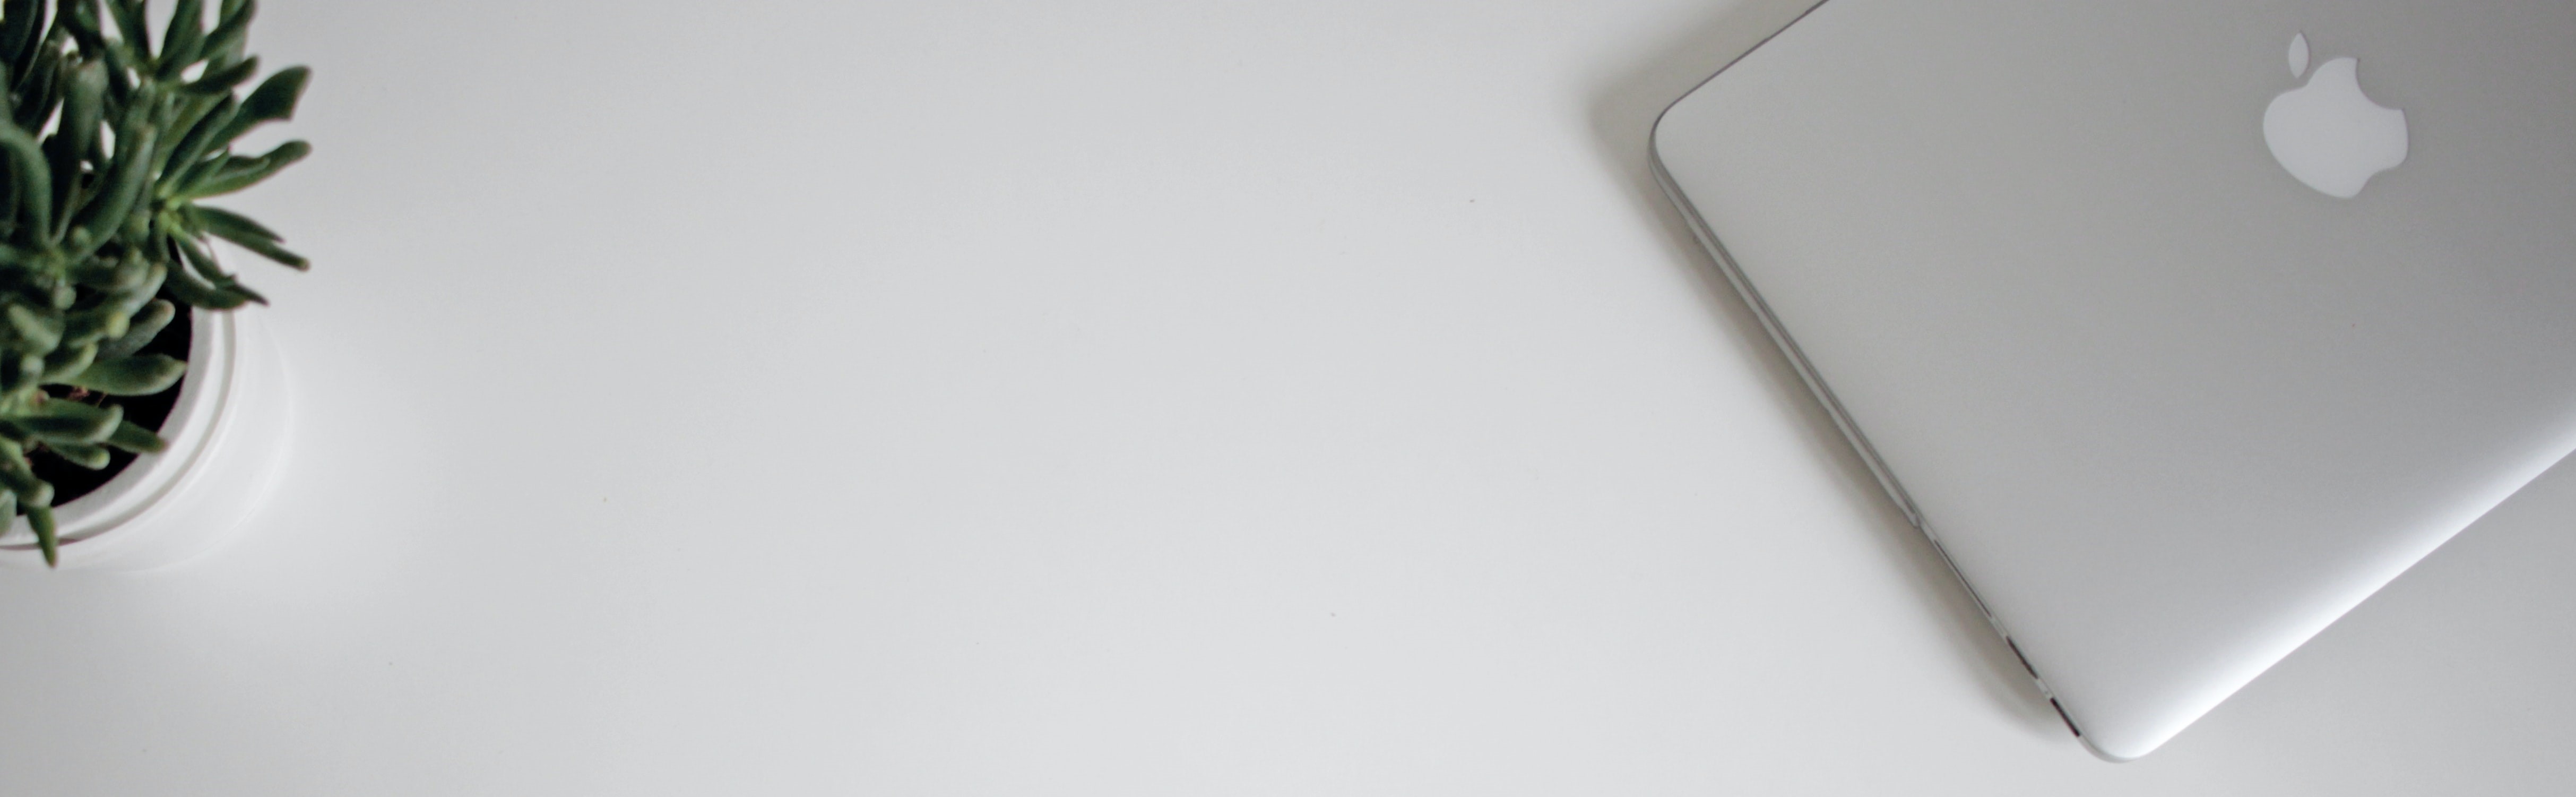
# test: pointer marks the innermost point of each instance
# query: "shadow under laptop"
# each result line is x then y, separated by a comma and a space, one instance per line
1623, 109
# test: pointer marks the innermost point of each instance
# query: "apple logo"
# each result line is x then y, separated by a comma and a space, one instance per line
2327, 133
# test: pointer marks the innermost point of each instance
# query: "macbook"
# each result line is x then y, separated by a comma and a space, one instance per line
2179, 327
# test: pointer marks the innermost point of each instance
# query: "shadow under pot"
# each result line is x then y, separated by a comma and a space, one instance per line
226, 423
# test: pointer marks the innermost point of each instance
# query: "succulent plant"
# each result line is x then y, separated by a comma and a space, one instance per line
108, 145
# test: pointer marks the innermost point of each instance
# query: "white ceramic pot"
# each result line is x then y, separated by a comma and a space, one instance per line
228, 437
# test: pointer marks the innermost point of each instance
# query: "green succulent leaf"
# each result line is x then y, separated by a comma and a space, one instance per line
131, 376
235, 173
37, 93
79, 20
136, 439
130, 25
187, 108
21, 479
40, 517
233, 31
132, 299
82, 454
68, 362
223, 81
182, 41
105, 275
124, 185
38, 332
248, 236
84, 94
197, 292
273, 101
122, 62
231, 226
200, 138
21, 33
30, 175
266, 247
140, 329
31, 367
84, 327
70, 422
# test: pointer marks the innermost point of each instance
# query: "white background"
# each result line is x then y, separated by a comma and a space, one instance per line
1118, 398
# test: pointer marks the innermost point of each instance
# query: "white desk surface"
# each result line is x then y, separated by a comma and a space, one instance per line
1119, 398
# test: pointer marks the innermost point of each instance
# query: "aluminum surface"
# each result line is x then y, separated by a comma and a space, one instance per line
2169, 411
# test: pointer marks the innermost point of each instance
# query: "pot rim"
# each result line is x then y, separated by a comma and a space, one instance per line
205, 400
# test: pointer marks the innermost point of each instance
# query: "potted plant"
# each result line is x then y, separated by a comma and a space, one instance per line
140, 415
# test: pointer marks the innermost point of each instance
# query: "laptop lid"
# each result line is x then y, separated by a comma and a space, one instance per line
2180, 327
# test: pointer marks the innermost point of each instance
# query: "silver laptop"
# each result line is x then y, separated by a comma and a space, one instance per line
2180, 327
